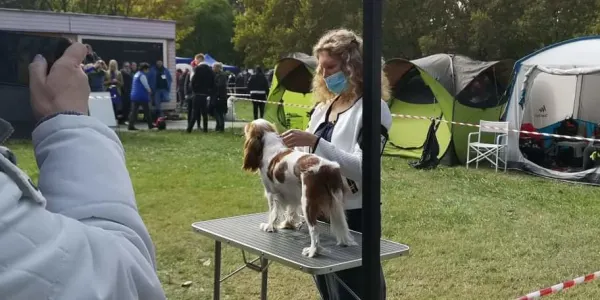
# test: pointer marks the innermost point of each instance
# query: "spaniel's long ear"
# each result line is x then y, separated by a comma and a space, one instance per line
253, 150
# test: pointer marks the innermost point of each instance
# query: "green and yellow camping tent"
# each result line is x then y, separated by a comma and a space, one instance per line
450, 87
291, 85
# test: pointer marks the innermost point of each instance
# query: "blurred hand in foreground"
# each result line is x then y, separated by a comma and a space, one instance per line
65, 88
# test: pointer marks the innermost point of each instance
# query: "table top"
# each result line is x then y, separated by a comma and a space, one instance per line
285, 246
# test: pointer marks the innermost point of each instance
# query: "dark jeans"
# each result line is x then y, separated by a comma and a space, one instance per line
125, 107
135, 106
329, 287
196, 111
220, 119
115, 107
258, 106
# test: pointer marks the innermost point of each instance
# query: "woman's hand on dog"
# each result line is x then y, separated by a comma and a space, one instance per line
298, 138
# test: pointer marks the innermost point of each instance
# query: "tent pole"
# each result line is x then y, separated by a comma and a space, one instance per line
371, 193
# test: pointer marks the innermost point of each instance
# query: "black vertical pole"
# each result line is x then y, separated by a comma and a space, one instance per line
371, 165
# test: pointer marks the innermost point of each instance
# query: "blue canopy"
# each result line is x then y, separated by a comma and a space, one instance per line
209, 60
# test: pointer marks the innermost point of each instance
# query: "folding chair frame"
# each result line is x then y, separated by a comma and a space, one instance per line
485, 150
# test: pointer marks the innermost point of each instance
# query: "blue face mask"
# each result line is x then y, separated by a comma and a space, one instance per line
337, 82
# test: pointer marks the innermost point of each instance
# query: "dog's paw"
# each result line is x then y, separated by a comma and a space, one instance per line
286, 225
346, 242
267, 227
298, 225
309, 251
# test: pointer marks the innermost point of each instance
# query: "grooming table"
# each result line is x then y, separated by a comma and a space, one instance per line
284, 247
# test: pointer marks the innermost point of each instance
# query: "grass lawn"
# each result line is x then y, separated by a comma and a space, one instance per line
474, 234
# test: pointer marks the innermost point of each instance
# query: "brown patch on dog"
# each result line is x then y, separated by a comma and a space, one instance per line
280, 172
319, 188
304, 163
253, 146
276, 169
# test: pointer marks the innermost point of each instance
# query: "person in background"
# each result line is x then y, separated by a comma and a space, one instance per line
91, 57
181, 87
140, 96
188, 95
240, 83
178, 74
134, 67
335, 133
203, 86
96, 75
160, 82
78, 233
113, 82
188, 91
126, 92
103, 65
220, 99
258, 85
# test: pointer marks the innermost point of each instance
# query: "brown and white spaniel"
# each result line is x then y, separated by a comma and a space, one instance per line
294, 181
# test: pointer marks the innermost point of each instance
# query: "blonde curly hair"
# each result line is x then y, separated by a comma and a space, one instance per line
348, 46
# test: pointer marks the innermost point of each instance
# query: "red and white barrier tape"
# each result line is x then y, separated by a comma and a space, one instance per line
561, 286
577, 138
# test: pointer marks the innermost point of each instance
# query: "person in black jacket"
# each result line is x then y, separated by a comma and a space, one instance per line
219, 102
203, 86
188, 95
126, 91
258, 85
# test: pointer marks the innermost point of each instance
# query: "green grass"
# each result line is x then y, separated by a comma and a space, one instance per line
474, 234
243, 110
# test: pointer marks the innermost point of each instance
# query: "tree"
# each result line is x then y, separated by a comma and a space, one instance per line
269, 29
210, 30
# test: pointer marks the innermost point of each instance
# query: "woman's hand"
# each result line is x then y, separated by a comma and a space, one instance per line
65, 88
298, 138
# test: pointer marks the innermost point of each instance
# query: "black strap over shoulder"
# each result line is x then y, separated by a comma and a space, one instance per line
384, 138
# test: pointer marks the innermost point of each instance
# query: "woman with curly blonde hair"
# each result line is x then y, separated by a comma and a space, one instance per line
335, 133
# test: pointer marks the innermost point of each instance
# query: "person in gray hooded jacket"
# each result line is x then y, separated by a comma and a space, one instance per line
78, 235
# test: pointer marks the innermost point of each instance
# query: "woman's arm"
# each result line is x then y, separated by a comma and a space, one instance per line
351, 162
144, 82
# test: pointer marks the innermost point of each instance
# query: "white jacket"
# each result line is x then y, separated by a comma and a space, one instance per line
344, 146
79, 235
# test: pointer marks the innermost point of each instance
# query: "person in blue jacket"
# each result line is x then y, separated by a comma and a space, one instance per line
77, 234
141, 92
160, 82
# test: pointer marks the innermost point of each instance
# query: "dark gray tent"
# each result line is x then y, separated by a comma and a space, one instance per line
451, 87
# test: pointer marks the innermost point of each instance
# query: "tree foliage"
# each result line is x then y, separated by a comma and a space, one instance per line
210, 25
261, 31
482, 29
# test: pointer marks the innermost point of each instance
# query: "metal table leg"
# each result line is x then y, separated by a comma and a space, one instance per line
264, 265
344, 285
217, 283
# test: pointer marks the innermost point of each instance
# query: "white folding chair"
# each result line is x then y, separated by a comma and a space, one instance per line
490, 152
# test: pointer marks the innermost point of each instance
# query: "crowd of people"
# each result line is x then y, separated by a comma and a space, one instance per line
131, 87
204, 90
